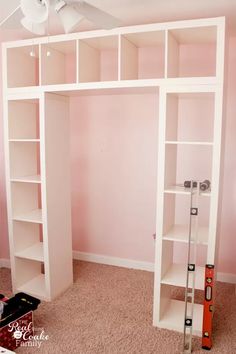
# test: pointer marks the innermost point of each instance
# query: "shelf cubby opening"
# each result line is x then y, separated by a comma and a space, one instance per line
190, 118
25, 160
98, 59
172, 309
143, 55
23, 66
26, 201
23, 120
58, 63
191, 52
30, 277
176, 218
174, 264
28, 240
186, 163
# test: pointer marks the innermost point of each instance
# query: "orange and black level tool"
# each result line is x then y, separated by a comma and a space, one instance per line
208, 307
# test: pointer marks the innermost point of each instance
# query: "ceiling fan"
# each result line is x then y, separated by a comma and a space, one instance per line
36, 15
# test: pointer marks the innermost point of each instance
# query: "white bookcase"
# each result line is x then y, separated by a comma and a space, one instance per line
37, 169
168, 59
184, 137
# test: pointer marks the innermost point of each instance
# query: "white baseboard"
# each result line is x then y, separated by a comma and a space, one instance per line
5, 263
226, 277
125, 263
114, 261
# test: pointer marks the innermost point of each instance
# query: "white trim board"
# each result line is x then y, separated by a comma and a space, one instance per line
123, 262
5, 263
226, 277
113, 261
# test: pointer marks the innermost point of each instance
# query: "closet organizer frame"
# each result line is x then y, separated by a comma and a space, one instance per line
114, 58
119, 61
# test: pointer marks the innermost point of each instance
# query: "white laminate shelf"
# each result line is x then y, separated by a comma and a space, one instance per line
180, 233
184, 191
34, 252
34, 216
35, 287
176, 275
173, 317
24, 140
179, 142
27, 179
142, 85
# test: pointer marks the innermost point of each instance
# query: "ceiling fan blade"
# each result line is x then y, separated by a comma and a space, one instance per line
95, 15
15, 13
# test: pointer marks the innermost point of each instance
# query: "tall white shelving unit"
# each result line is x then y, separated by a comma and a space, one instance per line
167, 59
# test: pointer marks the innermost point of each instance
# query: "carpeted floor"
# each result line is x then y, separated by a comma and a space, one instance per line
108, 310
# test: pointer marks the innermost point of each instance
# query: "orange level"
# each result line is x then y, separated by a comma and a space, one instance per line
208, 307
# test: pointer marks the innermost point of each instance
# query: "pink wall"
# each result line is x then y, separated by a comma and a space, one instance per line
113, 159
114, 164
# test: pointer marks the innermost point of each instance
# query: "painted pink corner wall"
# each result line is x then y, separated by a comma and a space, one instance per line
115, 215
114, 164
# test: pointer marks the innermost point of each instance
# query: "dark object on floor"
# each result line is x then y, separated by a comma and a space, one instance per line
18, 306
16, 323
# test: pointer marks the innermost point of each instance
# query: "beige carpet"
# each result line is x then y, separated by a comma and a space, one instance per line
109, 310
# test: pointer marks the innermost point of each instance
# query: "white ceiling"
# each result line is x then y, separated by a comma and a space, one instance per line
132, 12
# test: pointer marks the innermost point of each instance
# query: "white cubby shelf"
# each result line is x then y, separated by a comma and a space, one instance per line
27, 179
190, 118
173, 317
179, 189
182, 63
180, 232
34, 252
157, 51
177, 273
35, 286
34, 216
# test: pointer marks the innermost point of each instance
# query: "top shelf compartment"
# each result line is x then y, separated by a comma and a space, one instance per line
23, 66
58, 63
98, 59
191, 52
143, 55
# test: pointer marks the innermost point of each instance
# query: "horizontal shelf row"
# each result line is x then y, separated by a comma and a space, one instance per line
204, 143
27, 179
177, 273
24, 140
33, 216
185, 191
34, 252
143, 55
167, 142
173, 317
179, 233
